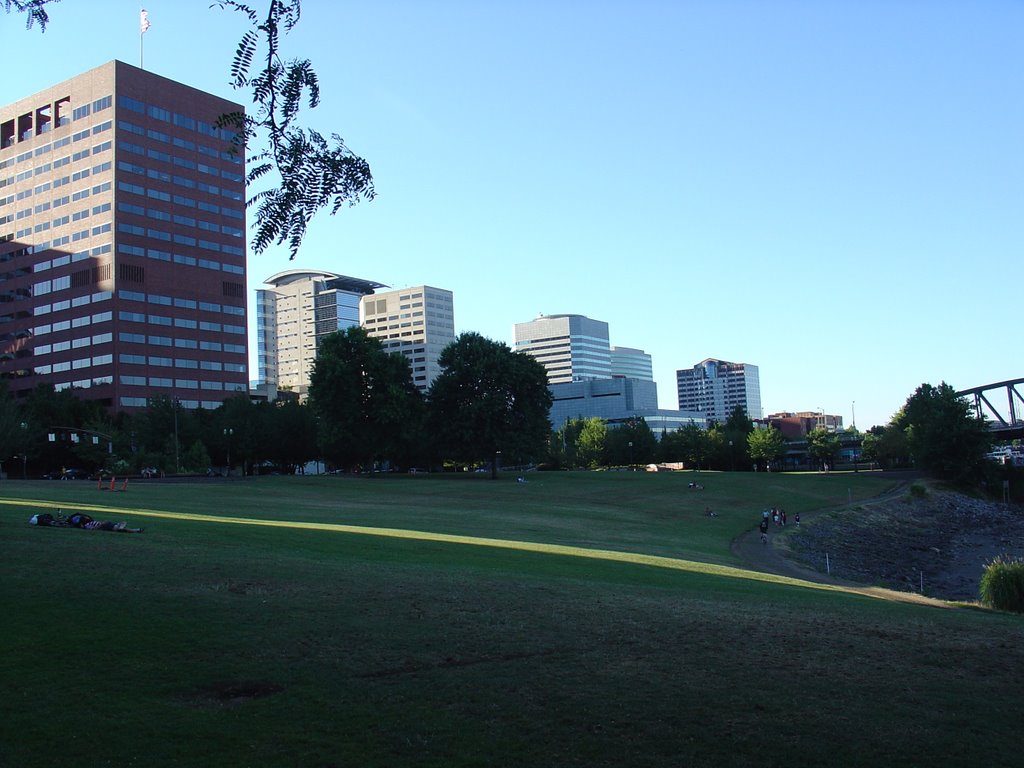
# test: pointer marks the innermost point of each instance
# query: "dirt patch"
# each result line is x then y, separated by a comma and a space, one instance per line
452, 662
232, 693
937, 543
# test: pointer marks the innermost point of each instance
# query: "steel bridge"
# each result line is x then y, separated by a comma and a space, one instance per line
1006, 421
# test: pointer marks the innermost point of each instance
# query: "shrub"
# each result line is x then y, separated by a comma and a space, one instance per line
1002, 584
918, 491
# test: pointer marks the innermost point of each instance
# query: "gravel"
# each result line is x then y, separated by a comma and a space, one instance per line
940, 541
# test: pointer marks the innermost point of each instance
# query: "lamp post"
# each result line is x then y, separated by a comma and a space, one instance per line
24, 452
228, 432
732, 456
177, 445
631, 454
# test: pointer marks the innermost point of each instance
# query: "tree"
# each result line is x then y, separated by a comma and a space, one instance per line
766, 446
565, 444
632, 442
590, 445
13, 438
487, 400
312, 173
822, 445
688, 444
943, 435
196, 458
48, 412
292, 434
727, 443
34, 10
363, 398
885, 444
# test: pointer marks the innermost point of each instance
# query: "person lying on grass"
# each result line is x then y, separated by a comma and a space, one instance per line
80, 520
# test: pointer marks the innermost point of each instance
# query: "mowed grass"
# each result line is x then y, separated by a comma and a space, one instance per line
203, 643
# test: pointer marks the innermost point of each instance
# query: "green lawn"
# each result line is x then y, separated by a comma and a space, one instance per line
202, 643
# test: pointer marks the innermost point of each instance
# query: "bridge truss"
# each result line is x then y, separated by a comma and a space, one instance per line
1006, 420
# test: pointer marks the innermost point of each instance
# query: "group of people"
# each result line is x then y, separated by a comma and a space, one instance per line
776, 516
80, 520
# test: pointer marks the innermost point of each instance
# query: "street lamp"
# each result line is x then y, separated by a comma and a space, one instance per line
732, 456
24, 454
228, 432
631, 454
177, 445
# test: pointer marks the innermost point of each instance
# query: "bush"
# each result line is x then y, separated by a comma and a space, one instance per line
918, 491
1002, 584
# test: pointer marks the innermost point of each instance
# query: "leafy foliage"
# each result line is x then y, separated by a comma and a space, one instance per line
822, 445
591, 442
943, 435
631, 443
1002, 584
489, 399
34, 11
313, 173
885, 444
766, 445
363, 397
689, 444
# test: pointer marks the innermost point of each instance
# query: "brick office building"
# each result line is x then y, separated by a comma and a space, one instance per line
122, 242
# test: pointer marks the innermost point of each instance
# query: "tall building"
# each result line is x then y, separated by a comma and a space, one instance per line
630, 363
570, 347
716, 387
418, 322
122, 242
294, 313
615, 401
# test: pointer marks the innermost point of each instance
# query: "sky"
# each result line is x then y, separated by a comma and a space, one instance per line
831, 191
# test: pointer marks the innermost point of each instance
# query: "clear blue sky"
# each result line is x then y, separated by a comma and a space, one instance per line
832, 191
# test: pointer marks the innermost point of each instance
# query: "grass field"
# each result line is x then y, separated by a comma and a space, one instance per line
203, 642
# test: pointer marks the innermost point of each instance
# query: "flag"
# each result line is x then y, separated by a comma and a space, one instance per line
143, 21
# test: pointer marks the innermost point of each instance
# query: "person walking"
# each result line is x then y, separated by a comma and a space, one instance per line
764, 531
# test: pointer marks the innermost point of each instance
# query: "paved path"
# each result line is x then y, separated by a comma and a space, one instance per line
770, 558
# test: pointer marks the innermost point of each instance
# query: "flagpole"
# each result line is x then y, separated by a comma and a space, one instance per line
143, 26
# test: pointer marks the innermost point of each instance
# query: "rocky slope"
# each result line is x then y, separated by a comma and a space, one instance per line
941, 540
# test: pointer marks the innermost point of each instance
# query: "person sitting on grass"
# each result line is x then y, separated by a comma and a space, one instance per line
80, 520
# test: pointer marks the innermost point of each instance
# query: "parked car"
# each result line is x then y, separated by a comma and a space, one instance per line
67, 474
150, 472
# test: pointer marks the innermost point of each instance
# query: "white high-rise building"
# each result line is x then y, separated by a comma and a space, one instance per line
570, 347
418, 322
716, 387
298, 309
629, 363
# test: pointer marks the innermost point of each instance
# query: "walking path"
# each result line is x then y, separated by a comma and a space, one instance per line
771, 558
